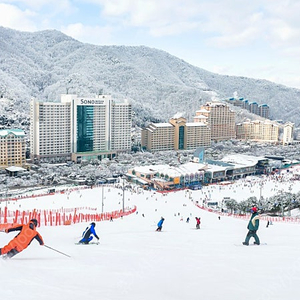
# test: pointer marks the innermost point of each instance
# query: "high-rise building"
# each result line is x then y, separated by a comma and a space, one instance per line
12, 148
80, 127
264, 111
50, 129
219, 118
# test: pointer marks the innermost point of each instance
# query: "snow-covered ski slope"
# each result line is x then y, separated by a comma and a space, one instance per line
133, 262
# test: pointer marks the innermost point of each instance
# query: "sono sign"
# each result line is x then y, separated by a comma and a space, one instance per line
90, 102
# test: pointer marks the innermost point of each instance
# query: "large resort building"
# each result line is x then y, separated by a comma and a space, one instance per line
80, 128
214, 121
175, 135
219, 118
266, 131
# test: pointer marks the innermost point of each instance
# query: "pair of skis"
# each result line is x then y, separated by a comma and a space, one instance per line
92, 243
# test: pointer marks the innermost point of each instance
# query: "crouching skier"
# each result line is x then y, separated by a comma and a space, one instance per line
87, 234
160, 224
22, 240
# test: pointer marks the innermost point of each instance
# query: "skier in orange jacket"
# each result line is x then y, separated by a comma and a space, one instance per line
23, 239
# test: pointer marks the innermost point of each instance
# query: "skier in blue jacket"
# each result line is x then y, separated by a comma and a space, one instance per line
87, 234
159, 224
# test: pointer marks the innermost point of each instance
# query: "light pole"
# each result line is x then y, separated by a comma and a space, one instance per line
282, 209
102, 198
260, 191
123, 181
6, 196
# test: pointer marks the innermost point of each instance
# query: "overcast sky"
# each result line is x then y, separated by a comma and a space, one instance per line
257, 38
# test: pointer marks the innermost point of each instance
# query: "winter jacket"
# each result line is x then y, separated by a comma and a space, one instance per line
160, 223
253, 222
25, 236
88, 231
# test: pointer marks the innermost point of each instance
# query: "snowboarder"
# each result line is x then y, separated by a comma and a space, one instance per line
159, 224
22, 240
87, 234
198, 222
252, 227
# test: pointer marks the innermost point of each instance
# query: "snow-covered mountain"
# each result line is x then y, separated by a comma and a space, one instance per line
48, 63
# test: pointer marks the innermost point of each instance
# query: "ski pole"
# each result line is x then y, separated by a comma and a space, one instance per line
57, 251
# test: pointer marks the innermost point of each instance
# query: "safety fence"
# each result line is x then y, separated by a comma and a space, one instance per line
60, 216
247, 216
42, 193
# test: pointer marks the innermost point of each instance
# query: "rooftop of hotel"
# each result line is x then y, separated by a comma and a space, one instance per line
16, 132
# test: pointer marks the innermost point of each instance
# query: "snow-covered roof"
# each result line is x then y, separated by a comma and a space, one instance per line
188, 168
216, 168
16, 132
201, 117
163, 125
15, 169
242, 160
202, 110
195, 124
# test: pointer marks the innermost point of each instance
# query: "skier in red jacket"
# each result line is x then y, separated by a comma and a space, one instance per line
23, 239
198, 222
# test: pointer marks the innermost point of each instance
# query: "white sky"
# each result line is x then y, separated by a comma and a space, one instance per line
258, 38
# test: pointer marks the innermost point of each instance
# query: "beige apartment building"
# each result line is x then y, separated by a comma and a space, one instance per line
12, 148
158, 137
266, 131
219, 118
288, 132
175, 135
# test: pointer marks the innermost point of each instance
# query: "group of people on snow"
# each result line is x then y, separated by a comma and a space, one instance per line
28, 232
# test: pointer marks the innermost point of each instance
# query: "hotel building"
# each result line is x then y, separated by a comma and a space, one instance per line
266, 131
219, 118
80, 128
175, 135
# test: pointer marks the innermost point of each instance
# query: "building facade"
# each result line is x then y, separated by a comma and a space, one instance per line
265, 131
175, 135
50, 129
158, 137
12, 148
219, 118
262, 110
288, 132
80, 127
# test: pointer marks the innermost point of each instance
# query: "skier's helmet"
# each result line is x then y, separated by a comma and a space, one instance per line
254, 209
93, 224
34, 221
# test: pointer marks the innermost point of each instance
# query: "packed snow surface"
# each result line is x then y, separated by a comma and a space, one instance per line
134, 262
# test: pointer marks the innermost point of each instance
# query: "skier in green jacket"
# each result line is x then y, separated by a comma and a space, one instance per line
252, 227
